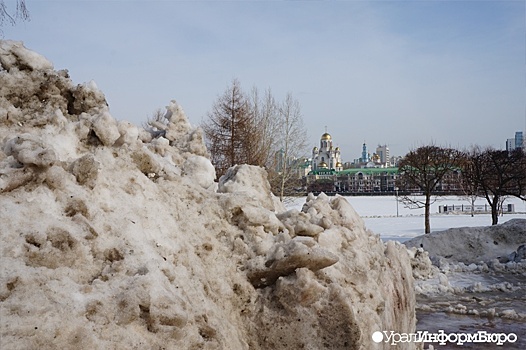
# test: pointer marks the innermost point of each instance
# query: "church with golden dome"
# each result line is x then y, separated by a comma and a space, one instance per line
326, 157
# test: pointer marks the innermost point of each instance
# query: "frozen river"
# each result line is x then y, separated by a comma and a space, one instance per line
491, 302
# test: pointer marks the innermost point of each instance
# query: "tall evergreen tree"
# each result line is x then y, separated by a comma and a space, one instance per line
231, 131
256, 130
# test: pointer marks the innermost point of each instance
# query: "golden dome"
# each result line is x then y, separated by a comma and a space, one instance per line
338, 164
323, 165
326, 136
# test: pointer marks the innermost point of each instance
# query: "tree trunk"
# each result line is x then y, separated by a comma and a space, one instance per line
282, 186
495, 211
426, 214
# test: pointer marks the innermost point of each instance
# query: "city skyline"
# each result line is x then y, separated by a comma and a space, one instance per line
373, 148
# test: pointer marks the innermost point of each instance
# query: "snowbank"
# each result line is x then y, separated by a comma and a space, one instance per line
115, 237
475, 271
475, 244
472, 250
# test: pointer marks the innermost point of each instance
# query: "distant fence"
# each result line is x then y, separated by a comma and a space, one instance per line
481, 208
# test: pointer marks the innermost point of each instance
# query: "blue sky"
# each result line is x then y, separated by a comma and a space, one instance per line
401, 73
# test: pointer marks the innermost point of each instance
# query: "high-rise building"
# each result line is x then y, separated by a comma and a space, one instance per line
383, 153
517, 142
519, 139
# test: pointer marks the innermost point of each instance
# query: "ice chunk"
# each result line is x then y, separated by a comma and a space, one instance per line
106, 129
30, 150
201, 170
286, 258
250, 180
128, 133
13, 54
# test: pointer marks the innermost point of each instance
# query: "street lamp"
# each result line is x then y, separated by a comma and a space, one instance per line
396, 194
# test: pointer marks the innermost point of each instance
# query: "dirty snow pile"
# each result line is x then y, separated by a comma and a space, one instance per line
479, 271
118, 237
475, 244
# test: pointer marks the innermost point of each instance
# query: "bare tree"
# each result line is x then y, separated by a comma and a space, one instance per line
498, 174
292, 143
423, 170
21, 13
266, 117
256, 130
469, 185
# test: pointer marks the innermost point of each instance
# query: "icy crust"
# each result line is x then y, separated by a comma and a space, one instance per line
115, 237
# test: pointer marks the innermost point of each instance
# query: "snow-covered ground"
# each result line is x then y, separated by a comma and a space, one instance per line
380, 215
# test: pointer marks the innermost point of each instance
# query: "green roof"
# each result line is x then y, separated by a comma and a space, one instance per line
354, 171
368, 171
323, 172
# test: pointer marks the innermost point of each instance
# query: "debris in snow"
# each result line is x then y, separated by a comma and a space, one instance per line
517, 256
284, 259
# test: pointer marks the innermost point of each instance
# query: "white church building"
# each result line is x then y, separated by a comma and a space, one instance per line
326, 157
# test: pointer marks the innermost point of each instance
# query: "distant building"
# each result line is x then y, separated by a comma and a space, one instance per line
383, 155
298, 166
326, 157
510, 145
367, 180
302, 166
380, 159
519, 139
366, 158
516, 142
395, 160
369, 174
374, 181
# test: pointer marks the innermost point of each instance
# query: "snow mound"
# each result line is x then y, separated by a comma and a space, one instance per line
422, 266
115, 237
475, 244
